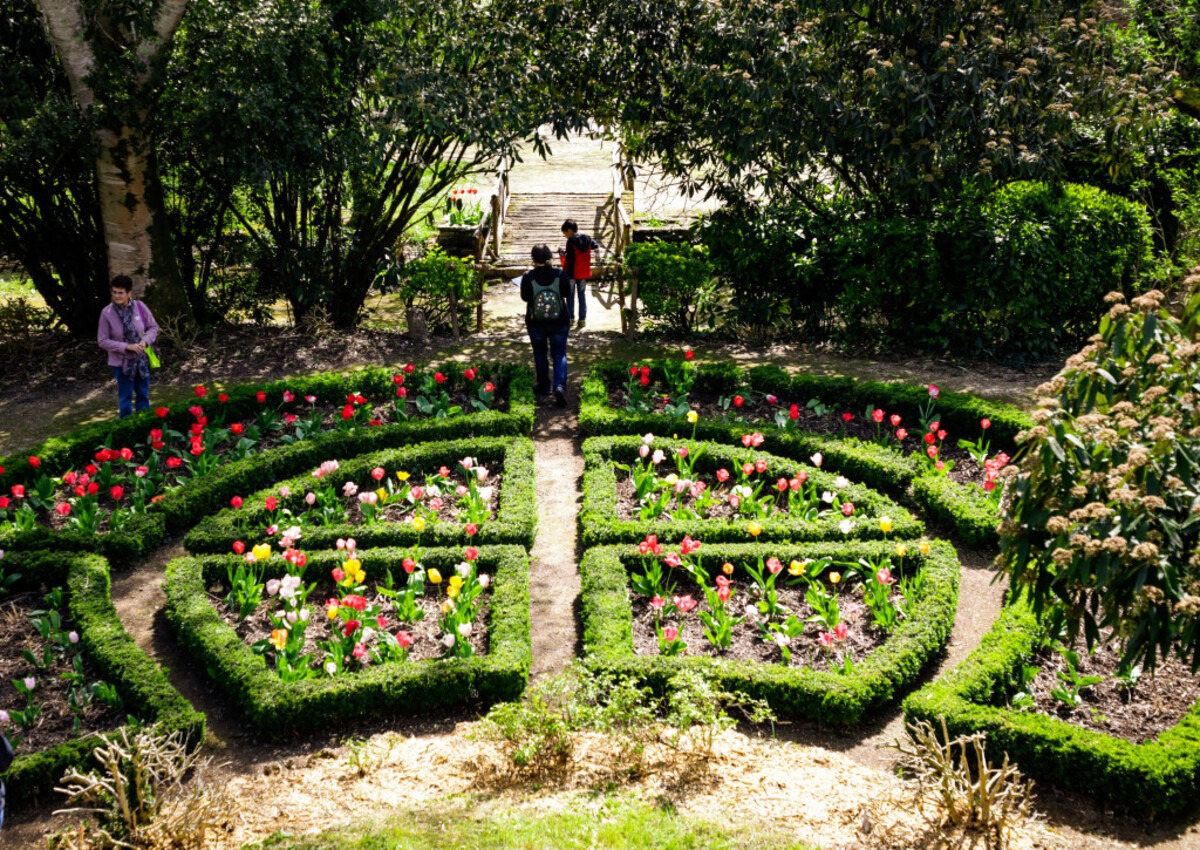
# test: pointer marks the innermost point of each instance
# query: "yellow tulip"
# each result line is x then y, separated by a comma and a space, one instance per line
447, 607
885, 524
382, 494
418, 524
331, 612
796, 568
923, 546
754, 528
693, 417
261, 552
901, 549
671, 479
279, 638
452, 591
727, 568
434, 576
456, 580
403, 476
834, 578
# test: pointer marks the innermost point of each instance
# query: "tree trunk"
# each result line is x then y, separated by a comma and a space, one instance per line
135, 227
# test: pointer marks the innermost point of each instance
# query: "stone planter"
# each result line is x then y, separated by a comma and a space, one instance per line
669, 233
457, 240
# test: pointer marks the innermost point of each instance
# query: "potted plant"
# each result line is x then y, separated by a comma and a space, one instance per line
463, 212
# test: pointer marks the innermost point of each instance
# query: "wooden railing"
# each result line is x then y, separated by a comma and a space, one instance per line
622, 232
490, 232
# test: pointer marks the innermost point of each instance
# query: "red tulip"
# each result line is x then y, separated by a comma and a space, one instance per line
239, 547
201, 391
63, 508
236, 501
117, 493
35, 461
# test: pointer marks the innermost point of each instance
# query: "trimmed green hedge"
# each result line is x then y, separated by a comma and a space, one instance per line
515, 520
601, 525
880, 467
78, 447
278, 710
967, 508
1162, 775
795, 692
141, 534
143, 685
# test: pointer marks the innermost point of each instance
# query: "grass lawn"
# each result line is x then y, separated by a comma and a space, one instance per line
620, 823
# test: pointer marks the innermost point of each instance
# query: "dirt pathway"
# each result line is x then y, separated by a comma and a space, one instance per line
553, 571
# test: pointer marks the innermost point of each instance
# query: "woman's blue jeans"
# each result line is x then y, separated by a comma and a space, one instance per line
127, 389
556, 339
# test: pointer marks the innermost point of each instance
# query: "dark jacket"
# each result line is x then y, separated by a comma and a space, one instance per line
544, 275
578, 242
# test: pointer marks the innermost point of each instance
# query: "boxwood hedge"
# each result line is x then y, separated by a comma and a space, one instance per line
1162, 775
600, 523
278, 710
142, 684
795, 692
515, 520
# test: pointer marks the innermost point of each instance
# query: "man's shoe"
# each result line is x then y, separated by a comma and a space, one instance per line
560, 396
581, 324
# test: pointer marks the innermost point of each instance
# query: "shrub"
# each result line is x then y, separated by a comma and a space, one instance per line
675, 284
765, 258
434, 283
1100, 531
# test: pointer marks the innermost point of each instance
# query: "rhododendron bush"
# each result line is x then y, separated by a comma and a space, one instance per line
1102, 523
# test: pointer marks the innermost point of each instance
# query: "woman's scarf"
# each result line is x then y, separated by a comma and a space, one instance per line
137, 366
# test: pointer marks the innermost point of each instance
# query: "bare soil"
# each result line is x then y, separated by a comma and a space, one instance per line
747, 638
1154, 704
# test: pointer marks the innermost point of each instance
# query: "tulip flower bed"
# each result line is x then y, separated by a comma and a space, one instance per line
417, 493
805, 658
785, 410
982, 695
77, 673
69, 491
329, 658
634, 486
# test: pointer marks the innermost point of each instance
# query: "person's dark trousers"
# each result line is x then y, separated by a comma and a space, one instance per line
127, 389
576, 295
556, 339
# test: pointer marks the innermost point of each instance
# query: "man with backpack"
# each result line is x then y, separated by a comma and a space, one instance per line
577, 263
545, 291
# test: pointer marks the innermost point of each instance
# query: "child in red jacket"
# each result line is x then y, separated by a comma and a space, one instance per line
577, 263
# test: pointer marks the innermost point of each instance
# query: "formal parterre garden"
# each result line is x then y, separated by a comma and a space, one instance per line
358, 547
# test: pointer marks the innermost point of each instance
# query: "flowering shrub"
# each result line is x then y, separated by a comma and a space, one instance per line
1100, 531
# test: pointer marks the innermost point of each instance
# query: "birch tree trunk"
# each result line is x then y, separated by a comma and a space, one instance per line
135, 227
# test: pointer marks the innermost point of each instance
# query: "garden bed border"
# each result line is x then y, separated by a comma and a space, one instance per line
600, 524
516, 516
1162, 775
792, 692
278, 710
972, 512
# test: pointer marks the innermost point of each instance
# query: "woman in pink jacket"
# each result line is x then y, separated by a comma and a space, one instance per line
127, 327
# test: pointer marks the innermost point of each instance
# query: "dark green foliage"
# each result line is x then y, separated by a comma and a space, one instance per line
142, 533
600, 524
1021, 272
675, 284
1160, 776
795, 692
515, 520
277, 710
143, 685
